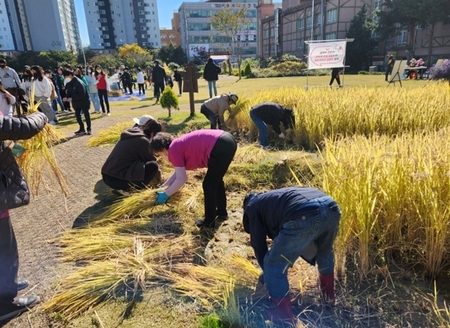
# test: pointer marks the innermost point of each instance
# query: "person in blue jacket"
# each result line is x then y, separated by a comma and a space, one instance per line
272, 114
302, 222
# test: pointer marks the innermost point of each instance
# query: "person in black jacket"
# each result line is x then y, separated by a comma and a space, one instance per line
132, 163
271, 113
302, 222
14, 193
211, 74
159, 80
77, 93
179, 79
126, 80
335, 76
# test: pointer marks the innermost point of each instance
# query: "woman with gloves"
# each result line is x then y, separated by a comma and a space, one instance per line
213, 149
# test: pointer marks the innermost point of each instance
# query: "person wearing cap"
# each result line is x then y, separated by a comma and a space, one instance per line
214, 108
132, 163
302, 222
139, 122
273, 114
212, 149
159, 80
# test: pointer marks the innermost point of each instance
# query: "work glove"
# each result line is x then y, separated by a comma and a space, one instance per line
162, 198
281, 135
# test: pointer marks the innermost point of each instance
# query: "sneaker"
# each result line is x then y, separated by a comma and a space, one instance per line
21, 305
80, 133
109, 114
88, 132
103, 114
22, 284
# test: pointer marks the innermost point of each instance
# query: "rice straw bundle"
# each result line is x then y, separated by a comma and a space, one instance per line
109, 136
38, 162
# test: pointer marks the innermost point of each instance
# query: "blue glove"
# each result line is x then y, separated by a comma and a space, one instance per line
162, 198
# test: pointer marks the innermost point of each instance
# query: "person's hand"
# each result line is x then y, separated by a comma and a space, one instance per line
281, 135
162, 198
65, 99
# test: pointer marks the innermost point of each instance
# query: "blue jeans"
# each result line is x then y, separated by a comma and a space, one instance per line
262, 127
211, 86
318, 221
95, 101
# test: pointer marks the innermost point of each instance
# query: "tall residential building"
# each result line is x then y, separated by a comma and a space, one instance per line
38, 25
113, 23
198, 34
171, 35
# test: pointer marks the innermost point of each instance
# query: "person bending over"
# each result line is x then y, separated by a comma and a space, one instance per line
301, 221
213, 149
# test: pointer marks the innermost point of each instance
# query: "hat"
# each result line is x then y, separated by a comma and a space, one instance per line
233, 98
143, 119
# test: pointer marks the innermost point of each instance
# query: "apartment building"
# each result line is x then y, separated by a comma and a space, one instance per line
38, 25
171, 35
113, 23
286, 31
198, 34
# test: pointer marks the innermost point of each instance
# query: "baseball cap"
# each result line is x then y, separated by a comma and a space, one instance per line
143, 119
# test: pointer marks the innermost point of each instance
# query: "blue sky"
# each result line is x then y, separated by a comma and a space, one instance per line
166, 8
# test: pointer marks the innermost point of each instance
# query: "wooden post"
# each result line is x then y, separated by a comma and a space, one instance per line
190, 73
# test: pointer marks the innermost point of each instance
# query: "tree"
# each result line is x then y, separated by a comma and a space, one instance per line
133, 55
54, 58
105, 61
434, 11
172, 54
232, 22
359, 51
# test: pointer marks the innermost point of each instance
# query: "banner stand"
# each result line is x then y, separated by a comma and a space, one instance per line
326, 54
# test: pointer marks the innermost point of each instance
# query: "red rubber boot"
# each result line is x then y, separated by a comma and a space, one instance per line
282, 313
327, 287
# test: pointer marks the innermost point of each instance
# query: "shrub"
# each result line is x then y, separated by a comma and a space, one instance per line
441, 71
169, 100
247, 70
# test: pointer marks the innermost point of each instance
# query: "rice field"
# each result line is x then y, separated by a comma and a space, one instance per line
382, 153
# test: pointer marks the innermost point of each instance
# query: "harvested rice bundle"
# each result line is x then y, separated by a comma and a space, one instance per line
38, 162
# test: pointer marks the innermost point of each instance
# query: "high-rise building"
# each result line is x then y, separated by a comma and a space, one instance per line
172, 35
38, 25
113, 23
198, 34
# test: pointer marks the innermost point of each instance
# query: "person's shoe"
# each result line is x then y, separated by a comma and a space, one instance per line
109, 114
120, 193
22, 284
282, 313
88, 132
222, 216
22, 304
103, 114
202, 224
80, 133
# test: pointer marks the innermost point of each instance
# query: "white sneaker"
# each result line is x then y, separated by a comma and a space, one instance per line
109, 114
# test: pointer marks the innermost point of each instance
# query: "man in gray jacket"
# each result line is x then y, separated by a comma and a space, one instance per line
214, 108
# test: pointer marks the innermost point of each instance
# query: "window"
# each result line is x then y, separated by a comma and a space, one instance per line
402, 37
301, 24
377, 4
300, 44
308, 22
317, 19
330, 36
332, 16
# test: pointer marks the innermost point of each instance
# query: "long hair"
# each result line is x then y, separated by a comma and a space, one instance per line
39, 72
151, 127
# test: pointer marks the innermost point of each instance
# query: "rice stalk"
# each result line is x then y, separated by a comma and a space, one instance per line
110, 135
38, 161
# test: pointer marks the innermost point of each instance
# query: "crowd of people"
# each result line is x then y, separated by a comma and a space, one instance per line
301, 221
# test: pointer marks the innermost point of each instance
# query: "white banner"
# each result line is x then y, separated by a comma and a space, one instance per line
195, 49
326, 54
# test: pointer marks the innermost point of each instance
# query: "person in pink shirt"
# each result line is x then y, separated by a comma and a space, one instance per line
213, 149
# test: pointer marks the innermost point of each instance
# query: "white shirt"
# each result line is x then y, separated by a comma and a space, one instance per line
7, 110
42, 88
140, 78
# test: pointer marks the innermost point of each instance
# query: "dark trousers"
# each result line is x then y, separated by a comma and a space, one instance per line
87, 117
388, 72
141, 88
213, 186
151, 169
210, 116
103, 96
335, 77
9, 262
180, 86
129, 86
158, 89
